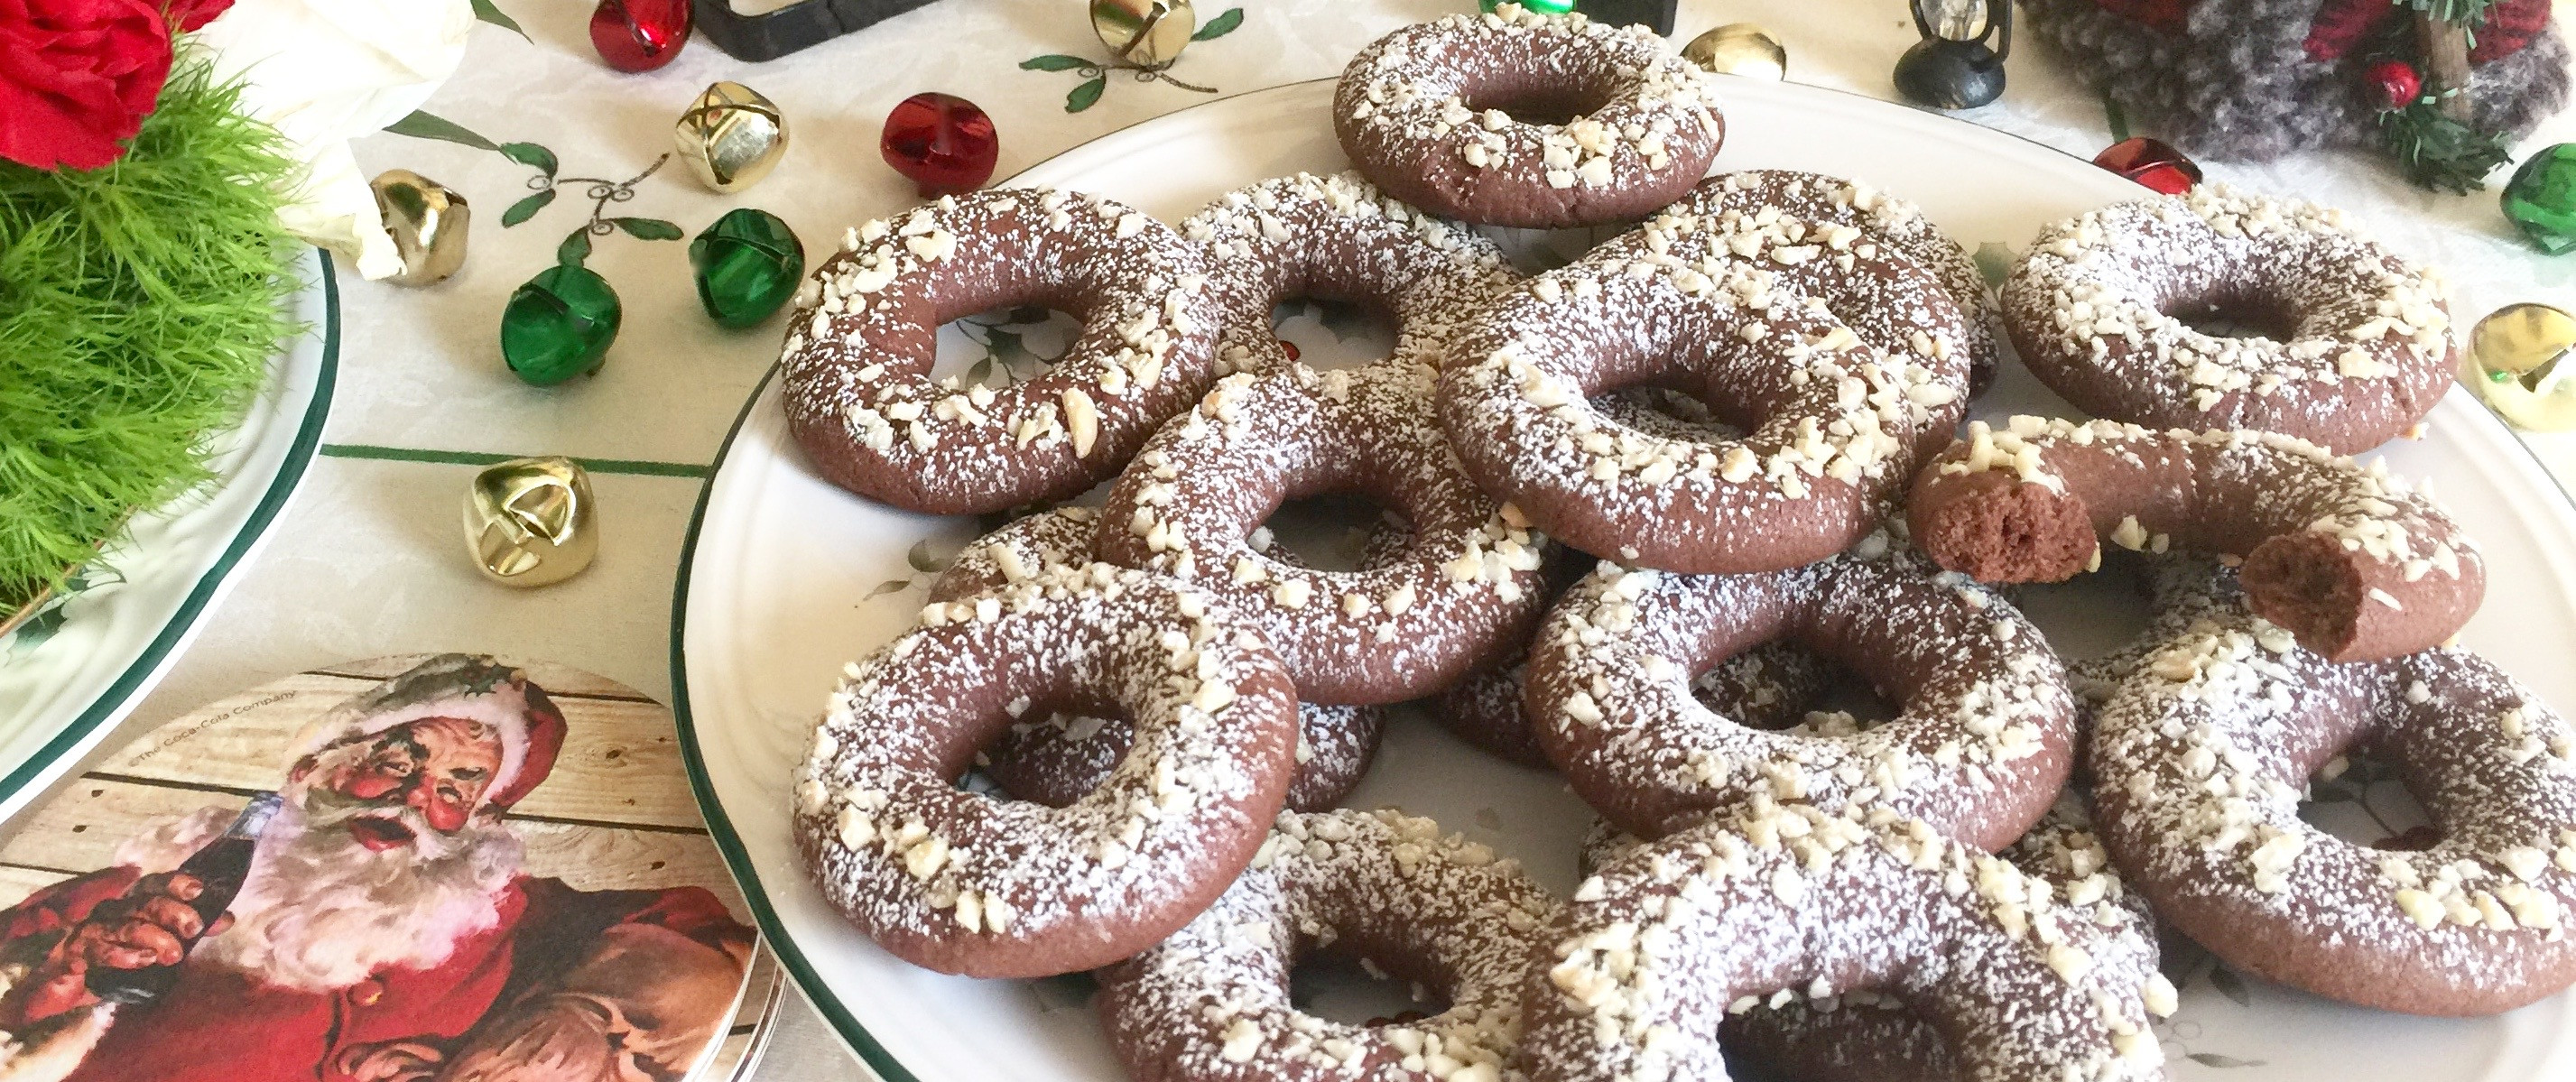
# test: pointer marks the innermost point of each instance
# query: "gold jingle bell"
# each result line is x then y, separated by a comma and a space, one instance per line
427, 222
531, 521
2519, 361
1739, 49
731, 136
1146, 33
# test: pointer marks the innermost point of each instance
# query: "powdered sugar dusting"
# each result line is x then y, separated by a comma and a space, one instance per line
1389, 889
956, 881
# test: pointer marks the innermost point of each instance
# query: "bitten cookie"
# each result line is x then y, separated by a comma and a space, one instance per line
1426, 113
952, 881
1211, 1003
2356, 563
855, 373
2357, 342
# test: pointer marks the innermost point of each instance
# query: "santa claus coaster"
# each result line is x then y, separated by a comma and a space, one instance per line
405, 869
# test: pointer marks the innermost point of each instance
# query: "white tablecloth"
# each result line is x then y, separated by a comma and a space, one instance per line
369, 561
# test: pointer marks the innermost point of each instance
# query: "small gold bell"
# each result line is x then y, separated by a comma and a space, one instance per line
1146, 33
427, 222
531, 521
1739, 49
2518, 359
731, 136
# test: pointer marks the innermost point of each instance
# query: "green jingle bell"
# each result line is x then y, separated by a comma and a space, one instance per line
559, 324
2541, 198
1543, 7
747, 265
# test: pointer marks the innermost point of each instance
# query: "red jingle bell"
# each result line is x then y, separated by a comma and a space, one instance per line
639, 35
2151, 162
943, 143
2398, 84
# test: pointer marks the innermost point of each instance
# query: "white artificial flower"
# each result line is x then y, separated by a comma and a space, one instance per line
324, 72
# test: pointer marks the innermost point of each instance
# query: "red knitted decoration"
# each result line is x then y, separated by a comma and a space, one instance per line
2510, 26
2341, 24
2165, 15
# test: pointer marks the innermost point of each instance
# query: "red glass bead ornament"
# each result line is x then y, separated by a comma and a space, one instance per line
639, 35
2151, 162
943, 143
2398, 84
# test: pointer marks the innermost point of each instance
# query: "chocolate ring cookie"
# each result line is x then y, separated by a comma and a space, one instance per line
1054, 757
1340, 238
1835, 425
1767, 687
856, 370
2354, 562
1882, 220
1664, 945
1425, 112
2357, 347
1983, 741
1859, 1033
1211, 1003
952, 881
1466, 585
2201, 759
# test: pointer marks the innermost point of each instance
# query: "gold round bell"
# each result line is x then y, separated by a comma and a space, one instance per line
1739, 49
531, 521
427, 222
731, 136
2518, 359
1146, 33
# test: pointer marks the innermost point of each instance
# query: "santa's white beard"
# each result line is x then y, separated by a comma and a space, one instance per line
322, 911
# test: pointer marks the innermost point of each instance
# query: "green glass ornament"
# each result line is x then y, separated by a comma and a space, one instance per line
2541, 198
748, 264
1543, 7
559, 324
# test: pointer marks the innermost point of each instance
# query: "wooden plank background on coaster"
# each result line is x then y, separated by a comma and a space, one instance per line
615, 813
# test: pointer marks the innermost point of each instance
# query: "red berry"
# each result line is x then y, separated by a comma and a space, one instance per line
942, 142
639, 35
2398, 84
2151, 162
1291, 349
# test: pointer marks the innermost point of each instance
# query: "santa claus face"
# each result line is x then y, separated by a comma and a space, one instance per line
437, 767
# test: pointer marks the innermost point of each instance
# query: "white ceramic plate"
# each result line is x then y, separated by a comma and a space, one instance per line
61, 695
773, 599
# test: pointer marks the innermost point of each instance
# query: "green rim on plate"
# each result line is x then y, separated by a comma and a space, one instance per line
308, 438
737, 858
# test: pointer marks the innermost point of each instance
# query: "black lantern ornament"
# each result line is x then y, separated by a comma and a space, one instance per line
786, 29
1655, 14
1959, 64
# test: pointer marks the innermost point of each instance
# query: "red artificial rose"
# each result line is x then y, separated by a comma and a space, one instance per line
77, 77
187, 15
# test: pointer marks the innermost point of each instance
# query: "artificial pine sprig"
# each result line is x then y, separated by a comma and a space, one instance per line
2437, 151
139, 307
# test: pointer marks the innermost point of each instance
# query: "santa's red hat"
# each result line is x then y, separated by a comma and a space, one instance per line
462, 686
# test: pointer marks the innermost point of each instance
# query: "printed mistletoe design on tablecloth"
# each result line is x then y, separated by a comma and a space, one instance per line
547, 185
1096, 73
926, 565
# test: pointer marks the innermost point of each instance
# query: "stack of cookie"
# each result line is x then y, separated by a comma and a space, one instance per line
1643, 511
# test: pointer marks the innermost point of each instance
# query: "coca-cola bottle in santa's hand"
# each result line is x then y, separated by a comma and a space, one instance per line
219, 869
